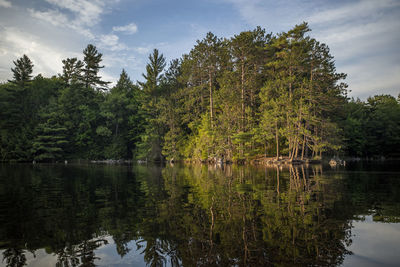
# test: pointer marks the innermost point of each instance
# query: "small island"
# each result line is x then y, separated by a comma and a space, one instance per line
243, 99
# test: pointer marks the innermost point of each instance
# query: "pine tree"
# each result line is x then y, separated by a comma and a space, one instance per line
72, 70
22, 73
92, 59
50, 140
119, 113
151, 139
153, 74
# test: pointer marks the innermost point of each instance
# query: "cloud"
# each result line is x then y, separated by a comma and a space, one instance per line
143, 50
53, 17
47, 59
359, 9
274, 15
5, 3
87, 12
128, 29
384, 79
49, 34
355, 31
111, 42
58, 19
363, 37
78, 15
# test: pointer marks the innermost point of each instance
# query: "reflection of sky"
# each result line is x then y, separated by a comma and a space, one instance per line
107, 253
374, 244
109, 257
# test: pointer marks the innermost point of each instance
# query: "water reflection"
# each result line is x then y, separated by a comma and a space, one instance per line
192, 216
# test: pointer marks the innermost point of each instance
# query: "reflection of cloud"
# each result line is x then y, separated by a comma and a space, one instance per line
40, 258
374, 244
128, 29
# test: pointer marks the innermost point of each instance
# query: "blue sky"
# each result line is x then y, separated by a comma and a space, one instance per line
363, 35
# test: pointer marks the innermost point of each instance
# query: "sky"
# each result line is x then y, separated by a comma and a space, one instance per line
363, 35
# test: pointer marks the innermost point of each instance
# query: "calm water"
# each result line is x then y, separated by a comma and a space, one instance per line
56, 215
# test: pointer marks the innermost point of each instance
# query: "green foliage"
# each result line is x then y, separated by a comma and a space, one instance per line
50, 137
372, 128
150, 146
253, 95
22, 73
72, 70
92, 59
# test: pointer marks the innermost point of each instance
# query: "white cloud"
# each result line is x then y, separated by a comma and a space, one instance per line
5, 3
356, 31
384, 79
142, 50
363, 37
53, 17
87, 12
79, 15
359, 9
58, 19
111, 42
128, 29
47, 59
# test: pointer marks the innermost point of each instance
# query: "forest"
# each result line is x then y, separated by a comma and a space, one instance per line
253, 95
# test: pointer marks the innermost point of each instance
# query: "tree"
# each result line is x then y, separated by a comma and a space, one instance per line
72, 70
151, 138
153, 75
306, 91
382, 126
92, 59
171, 113
50, 139
120, 121
22, 73
209, 59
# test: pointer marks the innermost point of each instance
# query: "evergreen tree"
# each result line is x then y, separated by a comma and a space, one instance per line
170, 113
72, 70
151, 140
153, 74
253, 95
119, 111
92, 59
50, 139
22, 73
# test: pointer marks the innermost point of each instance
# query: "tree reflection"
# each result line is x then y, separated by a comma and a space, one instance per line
14, 257
195, 215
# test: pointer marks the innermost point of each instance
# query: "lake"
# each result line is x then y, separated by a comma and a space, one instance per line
198, 215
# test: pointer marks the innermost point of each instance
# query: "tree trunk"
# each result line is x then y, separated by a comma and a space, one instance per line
303, 147
277, 140
242, 87
211, 97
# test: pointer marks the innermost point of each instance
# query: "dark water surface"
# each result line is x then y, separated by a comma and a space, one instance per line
75, 215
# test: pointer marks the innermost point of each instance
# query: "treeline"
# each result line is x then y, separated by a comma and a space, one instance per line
254, 95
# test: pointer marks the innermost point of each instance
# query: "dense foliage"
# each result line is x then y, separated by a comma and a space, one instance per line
253, 95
